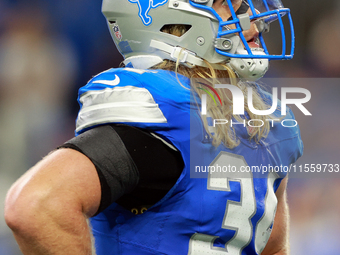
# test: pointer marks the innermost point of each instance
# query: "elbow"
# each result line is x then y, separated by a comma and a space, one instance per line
12, 210
31, 208
21, 210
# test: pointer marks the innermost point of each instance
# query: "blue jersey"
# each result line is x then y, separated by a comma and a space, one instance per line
211, 209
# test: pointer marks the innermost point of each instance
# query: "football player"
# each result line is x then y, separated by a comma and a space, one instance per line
146, 164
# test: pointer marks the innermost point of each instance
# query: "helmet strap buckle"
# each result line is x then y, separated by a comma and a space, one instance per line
179, 53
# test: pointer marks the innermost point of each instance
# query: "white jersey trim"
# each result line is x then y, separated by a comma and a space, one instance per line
165, 142
118, 104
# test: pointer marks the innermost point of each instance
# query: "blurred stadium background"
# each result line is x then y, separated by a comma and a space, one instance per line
48, 49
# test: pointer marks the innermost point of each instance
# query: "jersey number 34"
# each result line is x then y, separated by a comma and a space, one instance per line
237, 214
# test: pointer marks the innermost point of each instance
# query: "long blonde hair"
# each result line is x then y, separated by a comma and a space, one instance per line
222, 133
210, 76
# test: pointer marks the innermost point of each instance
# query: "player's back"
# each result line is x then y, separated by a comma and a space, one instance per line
211, 209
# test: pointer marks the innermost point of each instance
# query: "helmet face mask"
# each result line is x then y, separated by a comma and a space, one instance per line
136, 28
262, 13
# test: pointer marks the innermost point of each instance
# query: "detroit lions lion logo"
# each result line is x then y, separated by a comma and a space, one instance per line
144, 8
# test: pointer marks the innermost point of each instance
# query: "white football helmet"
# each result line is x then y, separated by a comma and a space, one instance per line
136, 28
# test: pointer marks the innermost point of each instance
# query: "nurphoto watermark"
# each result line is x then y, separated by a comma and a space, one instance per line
238, 105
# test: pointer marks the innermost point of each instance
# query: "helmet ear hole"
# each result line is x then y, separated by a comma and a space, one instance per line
175, 29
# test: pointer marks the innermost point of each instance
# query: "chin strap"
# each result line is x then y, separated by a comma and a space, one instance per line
251, 69
185, 57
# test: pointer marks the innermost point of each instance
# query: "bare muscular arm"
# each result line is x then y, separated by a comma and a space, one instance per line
278, 243
48, 207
